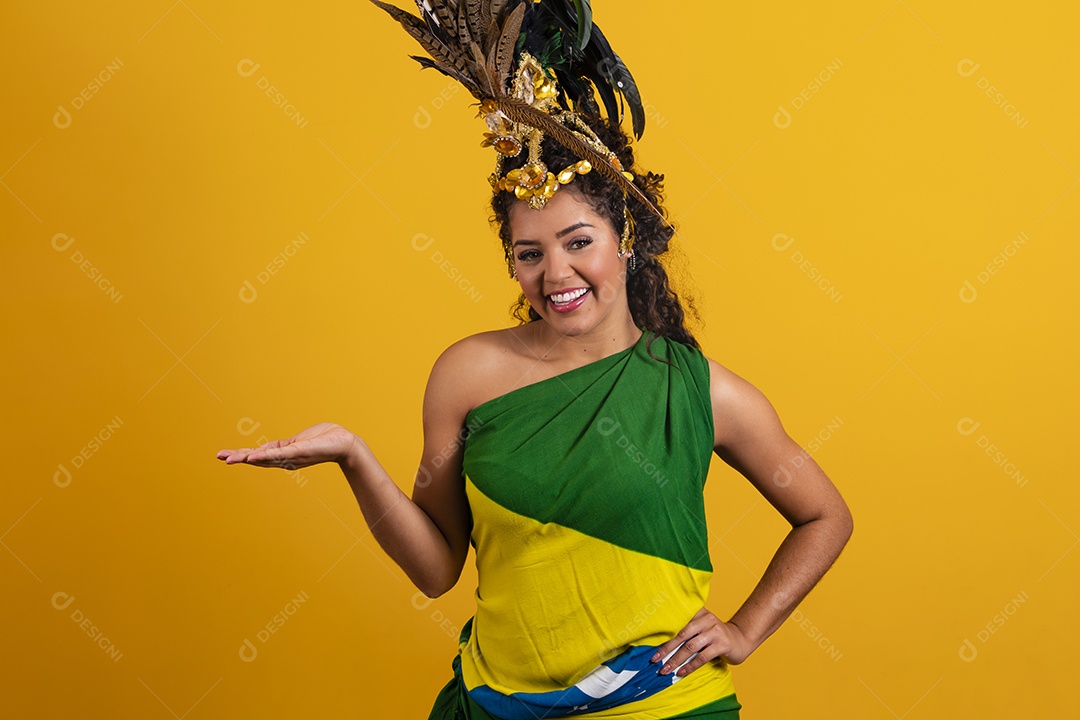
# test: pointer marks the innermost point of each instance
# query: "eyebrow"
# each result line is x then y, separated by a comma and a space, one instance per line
560, 234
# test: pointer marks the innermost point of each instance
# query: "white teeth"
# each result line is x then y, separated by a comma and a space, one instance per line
563, 298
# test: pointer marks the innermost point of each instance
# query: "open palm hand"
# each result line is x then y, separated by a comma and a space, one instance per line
324, 442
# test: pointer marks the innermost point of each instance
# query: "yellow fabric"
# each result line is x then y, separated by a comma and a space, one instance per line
538, 641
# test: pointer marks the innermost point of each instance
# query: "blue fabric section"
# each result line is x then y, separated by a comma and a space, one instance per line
573, 701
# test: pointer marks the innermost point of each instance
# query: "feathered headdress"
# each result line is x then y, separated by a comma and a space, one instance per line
533, 65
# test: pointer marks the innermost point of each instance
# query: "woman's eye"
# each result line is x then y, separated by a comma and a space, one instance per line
581, 242
527, 255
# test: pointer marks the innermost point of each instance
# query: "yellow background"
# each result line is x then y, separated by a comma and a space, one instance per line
895, 176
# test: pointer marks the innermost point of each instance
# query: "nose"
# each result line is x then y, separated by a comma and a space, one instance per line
557, 266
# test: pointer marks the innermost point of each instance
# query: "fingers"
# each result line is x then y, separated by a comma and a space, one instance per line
693, 665
271, 456
666, 649
253, 455
231, 457
680, 659
692, 628
267, 455
673, 659
700, 650
702, 640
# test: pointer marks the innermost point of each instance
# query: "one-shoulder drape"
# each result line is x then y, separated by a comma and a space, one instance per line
586, 491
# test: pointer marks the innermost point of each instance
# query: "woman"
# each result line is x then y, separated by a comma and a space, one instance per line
572, 451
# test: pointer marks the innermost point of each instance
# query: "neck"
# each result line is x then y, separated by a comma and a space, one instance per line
603, 340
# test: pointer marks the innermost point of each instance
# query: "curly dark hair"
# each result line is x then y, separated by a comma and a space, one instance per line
653, 303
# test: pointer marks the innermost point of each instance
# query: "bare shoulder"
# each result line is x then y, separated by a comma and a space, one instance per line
476, 368
475, 356
739, 408
725, 385
472, 349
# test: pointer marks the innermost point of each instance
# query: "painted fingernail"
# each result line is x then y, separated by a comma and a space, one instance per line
665, 670
655, 657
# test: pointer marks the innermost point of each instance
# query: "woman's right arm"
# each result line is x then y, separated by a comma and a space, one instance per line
426, 535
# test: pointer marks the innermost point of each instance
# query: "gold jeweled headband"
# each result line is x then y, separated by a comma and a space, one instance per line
533, 181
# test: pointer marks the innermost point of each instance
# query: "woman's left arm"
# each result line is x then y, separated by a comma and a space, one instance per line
751, 439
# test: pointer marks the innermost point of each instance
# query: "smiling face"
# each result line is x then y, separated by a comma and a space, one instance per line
566, 256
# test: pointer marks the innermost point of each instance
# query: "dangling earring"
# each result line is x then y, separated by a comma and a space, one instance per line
626, 242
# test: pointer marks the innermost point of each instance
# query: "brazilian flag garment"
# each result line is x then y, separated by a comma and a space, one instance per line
586, 491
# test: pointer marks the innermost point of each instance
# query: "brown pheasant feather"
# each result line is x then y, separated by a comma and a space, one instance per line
504, 46
473, 16
474, 42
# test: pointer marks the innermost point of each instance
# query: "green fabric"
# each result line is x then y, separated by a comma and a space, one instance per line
602, 408
726, 708
453, 702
